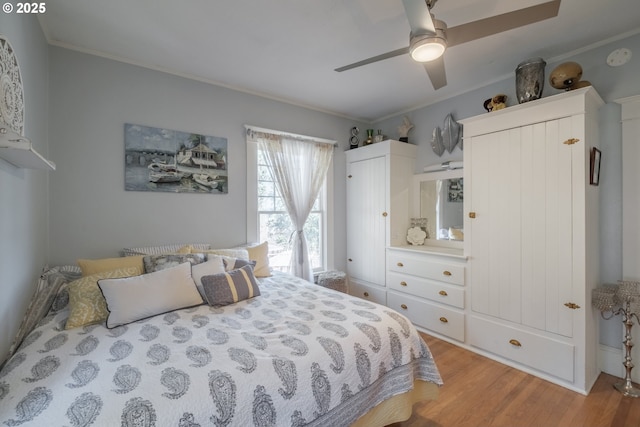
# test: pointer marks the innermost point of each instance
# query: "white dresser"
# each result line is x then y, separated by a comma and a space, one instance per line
429, 288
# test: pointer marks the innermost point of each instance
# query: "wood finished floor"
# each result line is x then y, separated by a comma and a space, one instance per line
479, 392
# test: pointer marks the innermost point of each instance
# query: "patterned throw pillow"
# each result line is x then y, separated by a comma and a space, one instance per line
230, 287
86, 303
154, 263
48, 291
166, 249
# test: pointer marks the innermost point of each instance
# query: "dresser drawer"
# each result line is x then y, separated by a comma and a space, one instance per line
536, 351
445, 321
425, 288
369, 292
424, 266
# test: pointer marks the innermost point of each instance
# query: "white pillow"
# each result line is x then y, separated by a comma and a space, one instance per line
213, 265
139, 297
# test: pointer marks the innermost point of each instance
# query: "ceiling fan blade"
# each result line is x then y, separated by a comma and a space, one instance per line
499, 23
435, 70
373, 59
419, 16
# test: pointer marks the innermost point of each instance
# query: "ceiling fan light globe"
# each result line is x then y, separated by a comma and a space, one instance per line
427, 49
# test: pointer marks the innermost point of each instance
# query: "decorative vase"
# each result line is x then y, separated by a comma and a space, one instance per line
530, 79
369, 139
379, 137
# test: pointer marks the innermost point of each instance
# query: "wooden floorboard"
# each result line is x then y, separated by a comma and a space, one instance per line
480, 392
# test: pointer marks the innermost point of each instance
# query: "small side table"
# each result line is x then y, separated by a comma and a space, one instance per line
336, 280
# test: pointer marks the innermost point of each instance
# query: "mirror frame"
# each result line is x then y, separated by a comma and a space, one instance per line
415, 200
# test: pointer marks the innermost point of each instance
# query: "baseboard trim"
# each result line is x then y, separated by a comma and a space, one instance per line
610, 360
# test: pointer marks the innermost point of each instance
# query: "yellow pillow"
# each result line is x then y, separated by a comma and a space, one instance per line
93, 266
260, 254
86, 303
188, 249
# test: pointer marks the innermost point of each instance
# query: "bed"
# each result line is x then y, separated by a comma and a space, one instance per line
296, 354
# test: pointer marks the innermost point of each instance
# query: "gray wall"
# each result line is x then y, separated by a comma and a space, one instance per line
23, 192
92, 98
611, 83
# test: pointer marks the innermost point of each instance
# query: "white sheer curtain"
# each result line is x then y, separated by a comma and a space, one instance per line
299, 167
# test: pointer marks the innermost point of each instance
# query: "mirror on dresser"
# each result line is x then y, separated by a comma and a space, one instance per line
439, 197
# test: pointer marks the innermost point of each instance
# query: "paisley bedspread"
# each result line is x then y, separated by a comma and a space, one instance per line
296, 355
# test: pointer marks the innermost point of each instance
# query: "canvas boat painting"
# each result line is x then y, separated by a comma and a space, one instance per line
166, 160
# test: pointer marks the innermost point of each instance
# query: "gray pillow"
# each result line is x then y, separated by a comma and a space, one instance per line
160, 262
230, 287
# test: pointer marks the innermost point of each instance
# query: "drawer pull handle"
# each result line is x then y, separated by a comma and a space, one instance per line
403, 283
350, 176
350, 260
384, 214
444, 320
400, 264
404, 306
443, 293
572, 305
446, 273
366, 294
472, 215
515, 343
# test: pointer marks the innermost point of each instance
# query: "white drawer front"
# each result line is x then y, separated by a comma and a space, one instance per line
423, 266
425, 288
368, 292
434, 317
536, 351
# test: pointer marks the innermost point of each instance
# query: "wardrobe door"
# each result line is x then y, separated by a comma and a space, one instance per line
521, 236
367, 219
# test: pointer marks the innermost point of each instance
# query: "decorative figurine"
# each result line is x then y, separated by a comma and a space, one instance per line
567, 76
496, 103
404, 129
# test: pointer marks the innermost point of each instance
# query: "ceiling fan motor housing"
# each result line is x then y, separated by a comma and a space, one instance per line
424, 46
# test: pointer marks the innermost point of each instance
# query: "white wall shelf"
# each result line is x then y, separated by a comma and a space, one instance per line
19, 151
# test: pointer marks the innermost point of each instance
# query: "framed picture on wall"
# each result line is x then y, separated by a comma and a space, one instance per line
158, 159
594, 172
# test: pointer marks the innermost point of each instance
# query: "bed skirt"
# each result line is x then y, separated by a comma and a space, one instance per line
398, 408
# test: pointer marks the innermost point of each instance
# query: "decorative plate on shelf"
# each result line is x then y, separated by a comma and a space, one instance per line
11, 94
416, 236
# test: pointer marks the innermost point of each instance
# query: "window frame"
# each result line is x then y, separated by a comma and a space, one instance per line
253, 231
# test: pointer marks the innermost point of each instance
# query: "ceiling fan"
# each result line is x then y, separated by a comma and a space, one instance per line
430, 37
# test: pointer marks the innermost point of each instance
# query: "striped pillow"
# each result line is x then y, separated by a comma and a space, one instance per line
166, 249
230, 287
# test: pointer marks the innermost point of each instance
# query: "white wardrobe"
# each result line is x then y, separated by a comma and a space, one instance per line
531, 236
378, 182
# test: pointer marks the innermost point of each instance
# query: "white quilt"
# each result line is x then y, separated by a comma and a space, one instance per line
297, 355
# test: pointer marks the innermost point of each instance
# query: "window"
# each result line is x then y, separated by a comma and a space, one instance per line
268, 220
